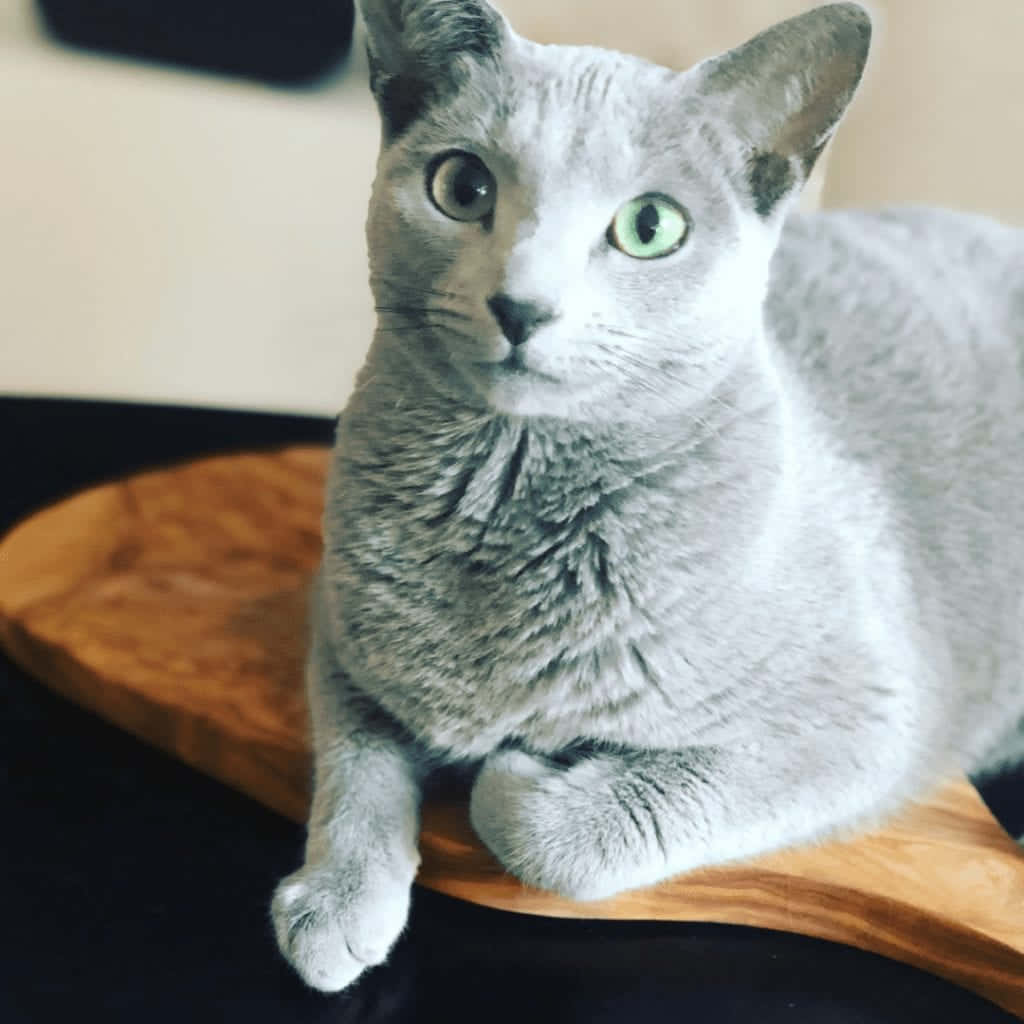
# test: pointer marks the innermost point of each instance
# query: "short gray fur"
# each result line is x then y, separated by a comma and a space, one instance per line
734, 560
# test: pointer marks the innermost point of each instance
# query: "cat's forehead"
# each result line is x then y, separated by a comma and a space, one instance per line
580, 102
574, 107
581, 83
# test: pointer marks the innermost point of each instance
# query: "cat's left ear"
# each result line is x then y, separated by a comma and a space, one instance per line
784, 93
421, 49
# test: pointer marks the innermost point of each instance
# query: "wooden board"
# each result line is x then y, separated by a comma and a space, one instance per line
173, 604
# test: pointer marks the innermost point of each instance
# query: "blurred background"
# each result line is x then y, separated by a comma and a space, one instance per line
183, 183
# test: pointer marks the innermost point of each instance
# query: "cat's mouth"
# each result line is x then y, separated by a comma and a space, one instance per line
514, 366
515, 362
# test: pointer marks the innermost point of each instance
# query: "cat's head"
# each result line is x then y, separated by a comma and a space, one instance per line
574, 232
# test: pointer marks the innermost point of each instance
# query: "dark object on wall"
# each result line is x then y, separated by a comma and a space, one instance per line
283, 42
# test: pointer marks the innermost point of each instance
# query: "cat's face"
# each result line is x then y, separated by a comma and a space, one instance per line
571, 232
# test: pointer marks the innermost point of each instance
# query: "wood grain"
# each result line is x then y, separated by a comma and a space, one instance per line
173, 604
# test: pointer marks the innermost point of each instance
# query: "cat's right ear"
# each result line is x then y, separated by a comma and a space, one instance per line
420, 50
783, 94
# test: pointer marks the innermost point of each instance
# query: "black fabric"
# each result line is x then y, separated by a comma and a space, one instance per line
54, 447
284, 42
133, 887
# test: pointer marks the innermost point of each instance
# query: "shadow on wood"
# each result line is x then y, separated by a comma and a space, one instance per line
173, 604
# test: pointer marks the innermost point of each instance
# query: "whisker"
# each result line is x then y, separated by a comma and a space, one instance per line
365, 384
404, 288
419, 311
626, 366
657, 366
656, 337
426, 327
398, 295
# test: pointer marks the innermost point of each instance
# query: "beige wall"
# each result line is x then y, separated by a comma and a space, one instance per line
186, 238
940, 118
672, 32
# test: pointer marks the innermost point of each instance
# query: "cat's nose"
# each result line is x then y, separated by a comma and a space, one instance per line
518, 319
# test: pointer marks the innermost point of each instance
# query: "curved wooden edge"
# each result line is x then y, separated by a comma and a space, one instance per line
842, 892
209, 671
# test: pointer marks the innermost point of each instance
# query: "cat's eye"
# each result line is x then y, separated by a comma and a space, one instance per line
461, 187
649, 227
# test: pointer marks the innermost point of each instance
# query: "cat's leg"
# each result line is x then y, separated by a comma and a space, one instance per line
343, 909
613, 821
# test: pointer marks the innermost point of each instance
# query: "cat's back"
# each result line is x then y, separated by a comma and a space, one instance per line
905, 328
904, 320
900, 288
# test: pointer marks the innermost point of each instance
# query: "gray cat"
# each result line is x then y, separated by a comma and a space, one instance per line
692, 524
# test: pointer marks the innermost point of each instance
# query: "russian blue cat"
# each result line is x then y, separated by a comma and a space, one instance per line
691, 524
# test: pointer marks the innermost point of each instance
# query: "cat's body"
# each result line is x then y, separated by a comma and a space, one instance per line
907, 329
504, 578
687, 579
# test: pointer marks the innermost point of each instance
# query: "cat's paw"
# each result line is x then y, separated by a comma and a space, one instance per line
553, 827
332, 921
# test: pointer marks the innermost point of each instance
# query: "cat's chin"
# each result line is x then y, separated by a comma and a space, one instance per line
515, 372
514, 388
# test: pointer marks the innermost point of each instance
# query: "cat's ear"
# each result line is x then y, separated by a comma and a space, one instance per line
784, 93
421, 49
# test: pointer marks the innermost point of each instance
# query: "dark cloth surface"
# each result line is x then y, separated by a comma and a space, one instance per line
132, 886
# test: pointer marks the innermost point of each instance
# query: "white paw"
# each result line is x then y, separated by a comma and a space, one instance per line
332, 921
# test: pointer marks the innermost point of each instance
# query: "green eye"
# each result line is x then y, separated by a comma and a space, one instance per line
648, 227
461, 187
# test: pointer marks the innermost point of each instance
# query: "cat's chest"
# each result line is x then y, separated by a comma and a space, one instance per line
501, 581
470, 630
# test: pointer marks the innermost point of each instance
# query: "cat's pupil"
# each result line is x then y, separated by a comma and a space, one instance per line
471, 184
647, 221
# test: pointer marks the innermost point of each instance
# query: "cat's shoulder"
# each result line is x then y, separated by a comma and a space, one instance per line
886, 239
880, 266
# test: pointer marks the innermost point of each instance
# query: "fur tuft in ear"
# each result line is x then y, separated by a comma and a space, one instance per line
418, 50
785, 92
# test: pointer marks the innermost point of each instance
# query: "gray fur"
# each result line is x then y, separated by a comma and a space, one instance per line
733, 560
418, 51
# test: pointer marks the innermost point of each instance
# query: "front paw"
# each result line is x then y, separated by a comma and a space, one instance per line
334, 920
554, 828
